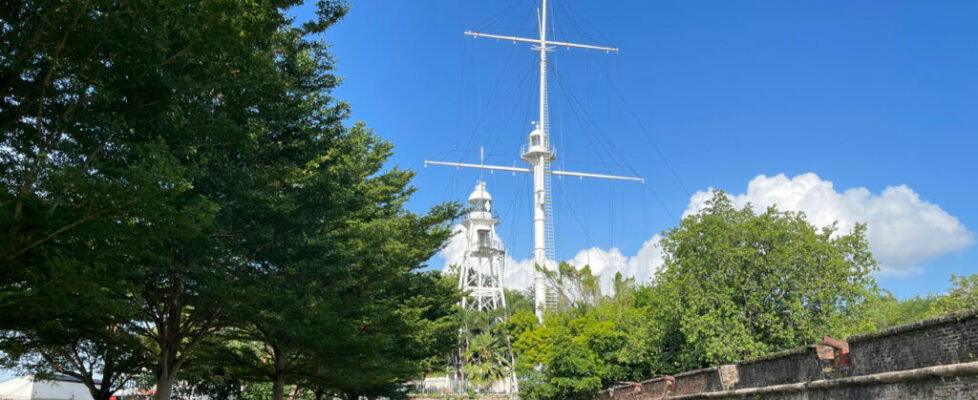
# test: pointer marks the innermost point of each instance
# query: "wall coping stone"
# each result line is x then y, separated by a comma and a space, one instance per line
627, 385
913, 326
695, 372
781, 354
656, 379
619, 386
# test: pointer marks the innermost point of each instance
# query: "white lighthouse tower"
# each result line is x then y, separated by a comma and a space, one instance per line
481, 274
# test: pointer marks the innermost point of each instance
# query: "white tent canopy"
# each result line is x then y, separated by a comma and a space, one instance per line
29, 388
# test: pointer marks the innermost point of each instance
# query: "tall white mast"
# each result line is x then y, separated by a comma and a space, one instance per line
539, 154
539, 160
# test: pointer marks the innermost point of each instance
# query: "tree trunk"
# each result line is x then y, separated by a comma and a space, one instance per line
101, 391
278, 379
278, 387
167, 364
164, 385
104, 395
174, 339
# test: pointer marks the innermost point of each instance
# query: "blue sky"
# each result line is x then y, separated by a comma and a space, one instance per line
862, 96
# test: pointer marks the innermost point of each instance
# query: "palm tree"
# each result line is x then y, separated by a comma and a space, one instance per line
487, 360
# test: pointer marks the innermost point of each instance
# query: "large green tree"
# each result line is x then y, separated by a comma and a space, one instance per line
738, 284
104, 106
186, 166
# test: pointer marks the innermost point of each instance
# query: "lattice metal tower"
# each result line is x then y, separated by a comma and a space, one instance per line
481, 273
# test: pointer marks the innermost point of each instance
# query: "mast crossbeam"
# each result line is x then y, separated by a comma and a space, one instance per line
528, 170
540, 42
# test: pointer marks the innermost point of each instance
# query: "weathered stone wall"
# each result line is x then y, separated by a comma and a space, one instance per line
798, 365
945, 340
653, 388
704, 380
930, 359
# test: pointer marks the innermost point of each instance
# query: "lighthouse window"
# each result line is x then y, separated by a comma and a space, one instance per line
535, 140
484, 239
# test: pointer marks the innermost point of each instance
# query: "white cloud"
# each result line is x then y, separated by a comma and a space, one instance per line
903, 230
642, 266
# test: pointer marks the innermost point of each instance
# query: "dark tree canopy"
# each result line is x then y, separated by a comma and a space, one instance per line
176, 171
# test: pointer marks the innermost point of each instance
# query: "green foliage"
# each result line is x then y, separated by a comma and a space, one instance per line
737, 284
215, 380
485, 343
576, 288
518, 301
962, 296
486, 359
520, 322
176, 171
884, 311
596, 341
257, 391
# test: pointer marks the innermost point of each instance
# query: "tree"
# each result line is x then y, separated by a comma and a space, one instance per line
962, 296
211, 375
554, 365
577, 288
596, 341
486, 360
317, 236
885, 310
737, 284
517, 301
94, 162
184, 161
409, 327
273, 143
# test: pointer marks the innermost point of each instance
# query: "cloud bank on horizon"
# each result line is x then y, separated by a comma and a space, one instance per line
903, 230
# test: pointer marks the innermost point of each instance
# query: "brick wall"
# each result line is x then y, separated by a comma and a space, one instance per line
945, 340
798, 365
704, 380
935, 358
